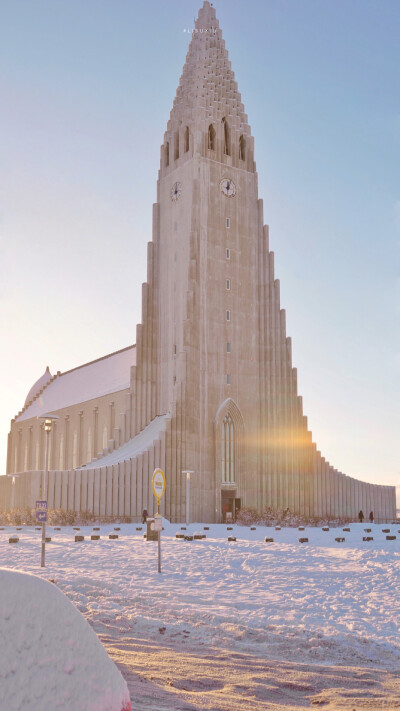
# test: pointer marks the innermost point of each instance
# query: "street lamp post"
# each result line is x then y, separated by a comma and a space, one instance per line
48, 421
188, 472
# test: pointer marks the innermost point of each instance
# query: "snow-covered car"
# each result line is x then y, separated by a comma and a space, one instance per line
50, 659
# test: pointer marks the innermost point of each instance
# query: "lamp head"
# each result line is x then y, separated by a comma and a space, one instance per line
48, 421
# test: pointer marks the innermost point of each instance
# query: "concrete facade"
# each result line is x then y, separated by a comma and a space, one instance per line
212, 355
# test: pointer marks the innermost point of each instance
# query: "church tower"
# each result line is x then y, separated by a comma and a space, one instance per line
215, 353
209, 386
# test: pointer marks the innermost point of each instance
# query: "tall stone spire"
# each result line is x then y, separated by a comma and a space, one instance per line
207, 95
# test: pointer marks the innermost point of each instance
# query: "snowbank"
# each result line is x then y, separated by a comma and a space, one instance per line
50, 659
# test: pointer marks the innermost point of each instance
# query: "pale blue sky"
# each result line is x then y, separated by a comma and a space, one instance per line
86, 87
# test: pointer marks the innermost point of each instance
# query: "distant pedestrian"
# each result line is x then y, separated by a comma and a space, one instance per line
360, 516
371, 516
144, 516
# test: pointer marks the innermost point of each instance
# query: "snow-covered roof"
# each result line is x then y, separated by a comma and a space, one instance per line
135, 446
99, 377
38, 386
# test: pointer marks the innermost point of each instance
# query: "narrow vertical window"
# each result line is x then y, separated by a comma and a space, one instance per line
242, 148
228, 284
228, 347
228, 379
186, 139
105, 437
176, 145
228, 449
228, 222
89, 454
223, 452
232, 452
211, 137
227, 142
61, 453
166, 153
75, 451
228, 253
228, 315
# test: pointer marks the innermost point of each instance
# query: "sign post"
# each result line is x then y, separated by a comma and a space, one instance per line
158, 486
41, 517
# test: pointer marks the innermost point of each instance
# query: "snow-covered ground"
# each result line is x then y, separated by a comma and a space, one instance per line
236, 625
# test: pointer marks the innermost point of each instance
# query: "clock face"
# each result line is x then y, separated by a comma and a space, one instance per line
176, 191
228, 187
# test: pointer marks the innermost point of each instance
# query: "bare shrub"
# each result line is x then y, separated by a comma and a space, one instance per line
285, 517
60, 517
248, 516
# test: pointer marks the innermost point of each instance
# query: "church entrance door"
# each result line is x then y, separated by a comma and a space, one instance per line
228, 507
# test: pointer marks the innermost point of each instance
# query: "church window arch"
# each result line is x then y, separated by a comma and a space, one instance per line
227, 141
242, 148
228, 449
186, 142
211, 137
166, 154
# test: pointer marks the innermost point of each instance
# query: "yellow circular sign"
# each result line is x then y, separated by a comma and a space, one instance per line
158, 483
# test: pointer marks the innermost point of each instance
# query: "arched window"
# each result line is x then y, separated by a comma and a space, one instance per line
105, 437
75, 451
166, 153
242, 148
228, 450
176, 145
227, 142
61, 454
89, 455
211, 137
186, 139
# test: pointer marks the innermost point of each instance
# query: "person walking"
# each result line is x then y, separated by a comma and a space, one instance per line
360, 516
144, 516
371, 516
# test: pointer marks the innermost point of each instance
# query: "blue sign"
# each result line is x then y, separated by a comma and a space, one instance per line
41, 511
